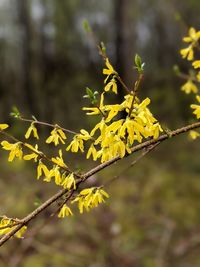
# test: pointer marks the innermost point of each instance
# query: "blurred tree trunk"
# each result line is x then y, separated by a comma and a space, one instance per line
124, 16
47, 65
119, 21
26, 55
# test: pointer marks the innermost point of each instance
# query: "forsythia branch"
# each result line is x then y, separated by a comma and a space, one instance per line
88, 174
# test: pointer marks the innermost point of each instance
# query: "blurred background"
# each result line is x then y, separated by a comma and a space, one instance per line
47, 60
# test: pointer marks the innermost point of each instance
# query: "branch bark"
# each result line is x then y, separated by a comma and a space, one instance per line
88, 174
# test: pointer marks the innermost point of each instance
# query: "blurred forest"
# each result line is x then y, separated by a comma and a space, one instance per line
47, 60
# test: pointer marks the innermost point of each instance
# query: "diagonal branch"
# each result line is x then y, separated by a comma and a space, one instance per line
88, 174
144, 153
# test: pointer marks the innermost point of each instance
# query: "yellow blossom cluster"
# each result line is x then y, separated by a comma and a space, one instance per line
196, 107
110, 81
78, 141
57, 136
57, 173
112, 136
15, 150
32, 129
193, 79
192, 39
65, 211
89, 198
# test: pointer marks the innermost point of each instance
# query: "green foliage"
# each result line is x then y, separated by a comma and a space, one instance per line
139, 65
92, 96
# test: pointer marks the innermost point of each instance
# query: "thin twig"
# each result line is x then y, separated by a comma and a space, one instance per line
187, 77
123, 84
47, 124
134, 93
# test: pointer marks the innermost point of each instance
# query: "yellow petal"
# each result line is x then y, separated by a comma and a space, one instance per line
3, 126
196, 64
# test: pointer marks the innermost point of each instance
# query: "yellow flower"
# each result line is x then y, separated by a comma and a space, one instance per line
92, 152
21, 232
187, 52
192, 39
84, 135
196, 107
155, 130
196, 64
90, 198
31, 129
77, 142
198, 76
59, 160
127, 103
69, 181
133, 129
112, 85
42, 170
3, 126
33, 155
112, 146
55, 172
112, 111
189, 87
101, 126
196, 110
193, 36
194, 134
65, 212
15, 150
110, 70
92, 110
6, 225
115, 126
75, 145
57, 135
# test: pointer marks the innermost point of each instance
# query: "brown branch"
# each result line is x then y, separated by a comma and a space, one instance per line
123, 84
33, 214
144, 153
187, 77
88, 174
134, 92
